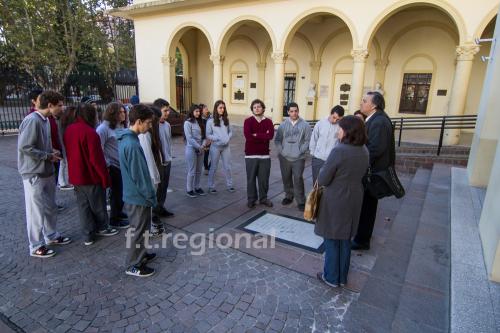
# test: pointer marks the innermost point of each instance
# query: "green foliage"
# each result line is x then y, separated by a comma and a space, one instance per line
52, 38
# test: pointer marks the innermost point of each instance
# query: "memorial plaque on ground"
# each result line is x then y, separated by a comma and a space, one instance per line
286, 229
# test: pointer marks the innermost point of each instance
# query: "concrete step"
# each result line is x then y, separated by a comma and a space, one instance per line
424, 300
378, 302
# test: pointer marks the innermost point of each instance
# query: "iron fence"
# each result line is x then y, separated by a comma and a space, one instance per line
15, 89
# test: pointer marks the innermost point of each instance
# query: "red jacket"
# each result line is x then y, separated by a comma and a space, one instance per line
86, 164
257, 144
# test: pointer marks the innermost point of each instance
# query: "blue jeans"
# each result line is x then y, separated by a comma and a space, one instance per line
337, 260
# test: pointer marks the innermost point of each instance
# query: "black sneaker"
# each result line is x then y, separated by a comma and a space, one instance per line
107, 232
122, 216
359, 247
148, 257
43, 252
120, 224
286, 201
140, 271
231, 190
199, 191
212, 191
266, 202
251, 204
168, 214
60, 208
59, 241
191, 194
301, 207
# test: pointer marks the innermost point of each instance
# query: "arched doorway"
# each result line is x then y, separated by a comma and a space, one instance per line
416, 64
244, 49
189, 55
319, 44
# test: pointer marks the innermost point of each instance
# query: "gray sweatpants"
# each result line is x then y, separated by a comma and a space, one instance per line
91, 202
217, 153
293, 180
140, 221
316, 164
260, 169
194, 164
41, 210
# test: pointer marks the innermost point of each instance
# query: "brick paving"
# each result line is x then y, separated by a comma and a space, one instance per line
84, 289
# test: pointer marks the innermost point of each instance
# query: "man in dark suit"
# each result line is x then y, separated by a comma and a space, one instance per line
379, 130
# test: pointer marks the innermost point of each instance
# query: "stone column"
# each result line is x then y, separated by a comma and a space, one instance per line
217, 60
169, 79
358, 78
380, 67
279, 85
261, 80
311, 112
458, 94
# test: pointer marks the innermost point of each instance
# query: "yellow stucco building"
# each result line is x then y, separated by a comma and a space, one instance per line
421, 55
318, 53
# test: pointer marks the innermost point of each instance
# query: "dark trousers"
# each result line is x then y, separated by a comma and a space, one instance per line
316, 165
258, 171
140, 222
366, 219
161, 192
116, 193
293, 180
91, 202
206, 160
337, 260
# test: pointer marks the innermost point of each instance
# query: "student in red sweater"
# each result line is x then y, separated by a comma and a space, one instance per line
88, 173
258, 131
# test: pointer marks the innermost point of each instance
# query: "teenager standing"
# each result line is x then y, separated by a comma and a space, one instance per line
219, 133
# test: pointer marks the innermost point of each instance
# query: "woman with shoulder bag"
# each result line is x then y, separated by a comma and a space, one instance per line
342, 196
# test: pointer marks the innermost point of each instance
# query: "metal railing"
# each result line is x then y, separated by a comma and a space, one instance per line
440, 123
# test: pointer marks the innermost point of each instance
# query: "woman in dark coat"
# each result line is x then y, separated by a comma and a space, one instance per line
340, 205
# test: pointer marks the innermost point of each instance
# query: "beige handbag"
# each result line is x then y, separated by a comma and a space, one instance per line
312, 203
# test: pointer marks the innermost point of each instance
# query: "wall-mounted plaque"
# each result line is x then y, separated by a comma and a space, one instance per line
239, 86
253, 85
442, 92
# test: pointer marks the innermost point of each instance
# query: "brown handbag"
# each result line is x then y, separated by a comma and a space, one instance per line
312, 202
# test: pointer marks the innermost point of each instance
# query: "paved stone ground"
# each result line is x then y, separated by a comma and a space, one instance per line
84, 289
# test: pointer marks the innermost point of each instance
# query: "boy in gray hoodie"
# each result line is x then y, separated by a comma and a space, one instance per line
35, 163
292, 144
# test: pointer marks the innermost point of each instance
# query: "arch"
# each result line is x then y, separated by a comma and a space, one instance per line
328, 39
378, 49
308, 44
336, 64
178, 32
249, 40
404, 4
237, 61
420, 55
417, 25
303, 17
235, 24
296, 64
486, 20
267, 50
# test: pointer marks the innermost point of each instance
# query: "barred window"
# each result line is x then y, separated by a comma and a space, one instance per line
415, 93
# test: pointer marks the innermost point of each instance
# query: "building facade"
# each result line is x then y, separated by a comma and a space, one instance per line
420, 54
